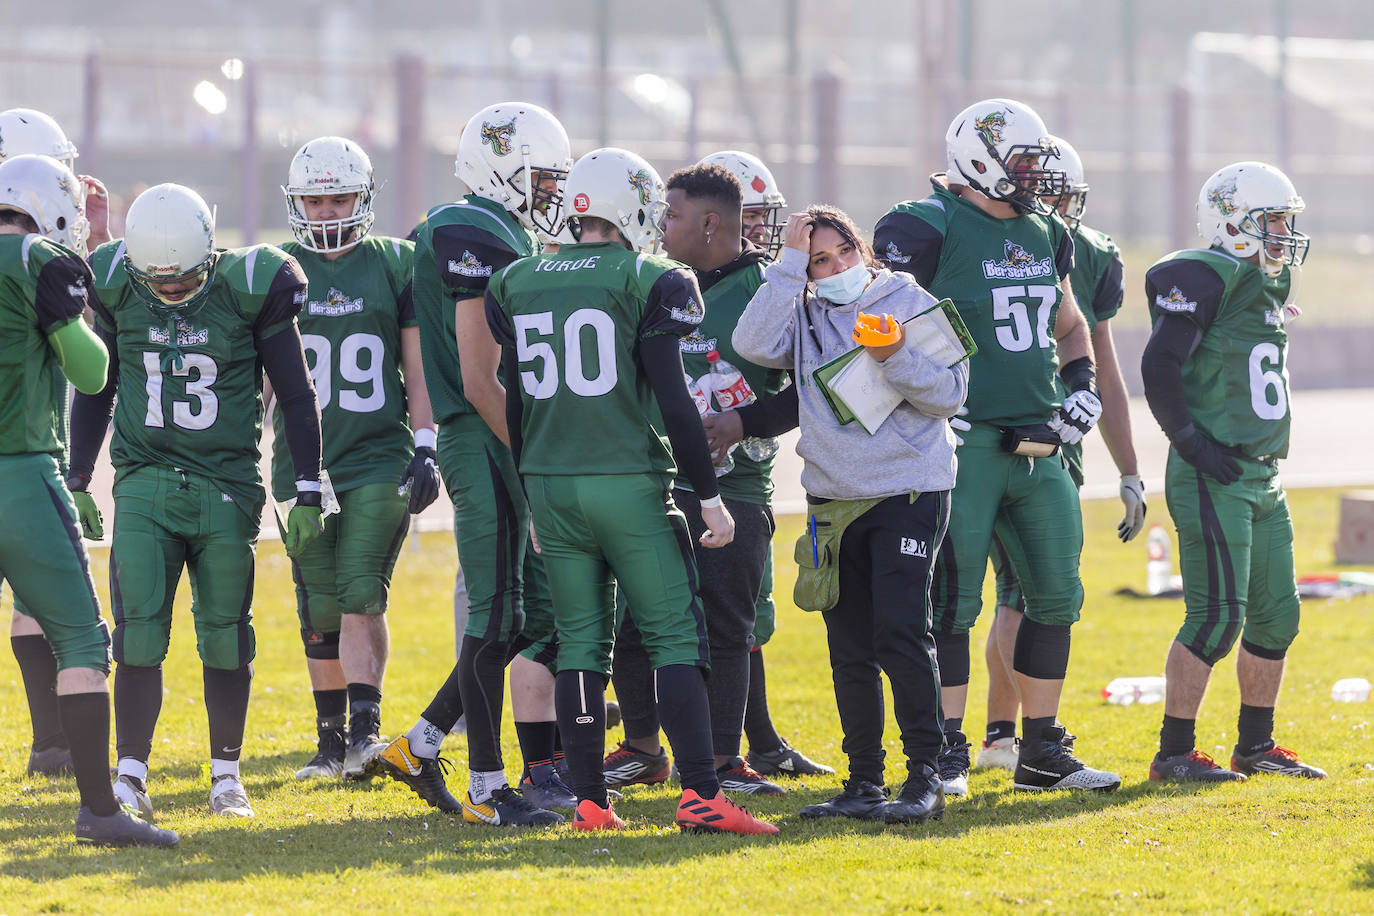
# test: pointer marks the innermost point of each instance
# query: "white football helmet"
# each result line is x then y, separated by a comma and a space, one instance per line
1230, 215
50, 194
505, 151
761, 194
1075, 200
23, 130
326, 166
169, 238
1001, 148
622, 188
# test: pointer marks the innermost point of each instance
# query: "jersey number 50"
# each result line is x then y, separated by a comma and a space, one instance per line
542, 384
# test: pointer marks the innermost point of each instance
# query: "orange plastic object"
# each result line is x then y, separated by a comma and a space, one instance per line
867, 333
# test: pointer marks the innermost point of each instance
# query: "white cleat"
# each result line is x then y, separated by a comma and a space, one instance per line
1001, 754
130, 790
228, 797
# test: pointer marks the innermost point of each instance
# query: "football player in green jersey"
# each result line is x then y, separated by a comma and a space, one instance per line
512, 156
987, 239
1216, 379
24, 131
1097, 286
358, 328
44, 289
594, 396
190, 330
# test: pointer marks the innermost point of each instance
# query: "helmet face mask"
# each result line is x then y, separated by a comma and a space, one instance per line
761, 197
621, 188
169, 250
327, 167
1000, 148
51, 196
517, 155
1074, 202
1236, 209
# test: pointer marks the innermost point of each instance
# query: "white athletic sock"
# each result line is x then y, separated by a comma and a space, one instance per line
425, 739
481, 785
129, 766
220, 768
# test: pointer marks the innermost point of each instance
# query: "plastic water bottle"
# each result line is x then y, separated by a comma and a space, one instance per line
1124, 691
1159, 569
732, 390
703, 402
1350, 690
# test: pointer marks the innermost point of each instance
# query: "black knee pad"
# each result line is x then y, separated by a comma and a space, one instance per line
320, 645
1042, 650
951, 652
1273, 655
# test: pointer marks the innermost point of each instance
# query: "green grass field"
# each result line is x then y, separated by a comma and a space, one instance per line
1270, 846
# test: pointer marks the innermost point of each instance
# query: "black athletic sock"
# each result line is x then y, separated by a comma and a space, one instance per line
633, 676
954, 724
758, 722
1000, 729
446, 708
331, 704
364, 710
137, 704
536, 746
226, 708
1033, 730
580, 698
482, 681
1256, 728
682, 706
38, 667
86, 720
1177, 736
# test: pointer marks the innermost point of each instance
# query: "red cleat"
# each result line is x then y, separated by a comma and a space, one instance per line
717, 815
591, 816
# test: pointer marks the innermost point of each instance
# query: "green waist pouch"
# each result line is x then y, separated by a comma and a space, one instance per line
818, 551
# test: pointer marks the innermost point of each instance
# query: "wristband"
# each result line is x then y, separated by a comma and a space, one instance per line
425, 437
77, 483
714, 502
1079, 374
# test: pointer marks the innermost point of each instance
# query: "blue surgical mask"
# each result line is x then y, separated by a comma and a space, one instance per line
846, 286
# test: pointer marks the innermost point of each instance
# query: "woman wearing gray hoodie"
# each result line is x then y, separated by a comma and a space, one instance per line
878, 504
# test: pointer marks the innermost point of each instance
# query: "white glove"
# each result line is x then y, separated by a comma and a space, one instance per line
1133, 498
960, 425
1077, 417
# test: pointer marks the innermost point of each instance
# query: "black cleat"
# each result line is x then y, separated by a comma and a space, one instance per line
123, 828
51, 761
1194, 766
786, 761
953, 763
424, 775
612, 714
507, 807
328, 761
860, 799
922, 799
1045, 764
1274, 759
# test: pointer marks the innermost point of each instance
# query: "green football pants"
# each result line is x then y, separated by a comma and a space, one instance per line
165, 520
598, 531
347, 570
765, 611
42, 557
1235, 547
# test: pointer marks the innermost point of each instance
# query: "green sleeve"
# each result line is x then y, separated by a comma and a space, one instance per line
81, 355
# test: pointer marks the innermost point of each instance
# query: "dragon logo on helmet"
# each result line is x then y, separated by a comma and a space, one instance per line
990, 127
1223, 197
639, 180
499, 136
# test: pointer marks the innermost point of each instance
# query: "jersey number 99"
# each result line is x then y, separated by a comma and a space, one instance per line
352, 350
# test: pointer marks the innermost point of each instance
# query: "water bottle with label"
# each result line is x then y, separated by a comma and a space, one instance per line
703, 402
732, 390
1124, 691
1159, 569
1350, 690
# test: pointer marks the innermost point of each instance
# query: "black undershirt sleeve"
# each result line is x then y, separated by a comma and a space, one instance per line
660, 360
283, 359
1161, 368
909, 244
515, 407
771, 416
1063, 259
91, 412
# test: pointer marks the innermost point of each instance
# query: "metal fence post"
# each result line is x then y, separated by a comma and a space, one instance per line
90, 114
410, 143
827, 92
251, 158
1182, 190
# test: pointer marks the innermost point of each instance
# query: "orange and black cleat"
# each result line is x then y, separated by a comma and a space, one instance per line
717, 815
591, 816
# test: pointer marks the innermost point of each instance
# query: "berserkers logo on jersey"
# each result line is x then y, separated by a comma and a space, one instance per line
639, 180
499, 136
469, 266
335, 305
990, 127
187, 336
695, 343
690, 312
1223, 197
1017, 264
1175, 302
894, 254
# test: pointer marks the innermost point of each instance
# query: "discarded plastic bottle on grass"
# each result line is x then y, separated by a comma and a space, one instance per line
702, 399
1350, 690
1159, 569
733, 391
1124, 691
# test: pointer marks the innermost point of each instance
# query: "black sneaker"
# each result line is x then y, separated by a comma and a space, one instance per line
1274, 759
51, 761
1194, 766
738, 776
860, 799
424, 775
328, 761
1045, 764
953, 763
507, 807
550, 792
786, 761
628, 765
123, 828
921, 799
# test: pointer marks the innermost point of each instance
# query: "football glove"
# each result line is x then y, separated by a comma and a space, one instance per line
304, 523
960, 425
1077, 417
1209, 457
421, 479
1133, 498
87, 512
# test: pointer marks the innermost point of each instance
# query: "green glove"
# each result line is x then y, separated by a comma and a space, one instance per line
303, 525
92, 524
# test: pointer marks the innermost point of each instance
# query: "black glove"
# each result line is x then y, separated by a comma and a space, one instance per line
421, 479
1208, 457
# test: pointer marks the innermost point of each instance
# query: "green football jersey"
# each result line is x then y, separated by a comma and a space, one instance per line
43, 287
190, 389
1003, 276
351, 329
575, 319
1236, 380
750, 481
1098, 275
458, 248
